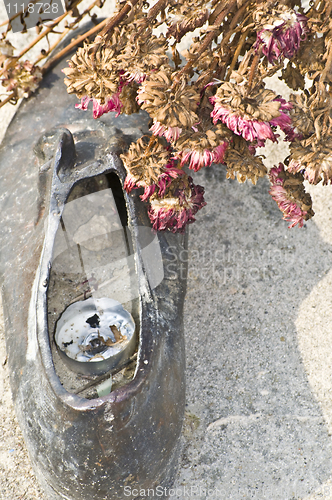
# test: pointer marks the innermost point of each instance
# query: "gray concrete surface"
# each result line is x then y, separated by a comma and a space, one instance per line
258, 317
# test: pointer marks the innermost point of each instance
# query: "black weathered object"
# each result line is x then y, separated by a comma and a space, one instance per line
84, 449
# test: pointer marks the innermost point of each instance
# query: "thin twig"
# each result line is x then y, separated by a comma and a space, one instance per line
7, 99
208, 39
115, 20
51, 62
236, 54
47, 31
66, 31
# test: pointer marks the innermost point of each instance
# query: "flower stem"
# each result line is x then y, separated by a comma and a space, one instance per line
208, 39
8, 98
153, 12
328, 64
15, 16
51, 62
236, 54
66, 30
253, 68
115, 20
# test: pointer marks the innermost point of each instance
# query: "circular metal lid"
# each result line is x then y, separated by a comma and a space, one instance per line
95, 335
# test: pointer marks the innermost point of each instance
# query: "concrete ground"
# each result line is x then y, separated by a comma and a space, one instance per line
258, 327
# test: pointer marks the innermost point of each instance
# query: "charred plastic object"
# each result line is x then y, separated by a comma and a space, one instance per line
92, 303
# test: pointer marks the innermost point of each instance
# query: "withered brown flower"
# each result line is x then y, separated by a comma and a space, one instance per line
242, 164
143, 54
188, 19
302, 118
145, 161
250, 112
93, 70
292, 77
170, 106
314, 156
309, 58
288, 192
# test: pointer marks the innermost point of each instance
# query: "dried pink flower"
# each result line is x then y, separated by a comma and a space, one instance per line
200, 159
314, 158
203, 146
111, 104
288, 192
282, 31
149, 165
178, 207
251, 113
171, 134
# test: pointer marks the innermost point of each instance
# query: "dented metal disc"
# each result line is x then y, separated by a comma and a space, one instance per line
95, 335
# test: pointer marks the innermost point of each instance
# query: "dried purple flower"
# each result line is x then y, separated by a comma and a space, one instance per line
178, 207
281, 31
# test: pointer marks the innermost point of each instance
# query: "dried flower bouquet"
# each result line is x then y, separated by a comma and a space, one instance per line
208, 104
